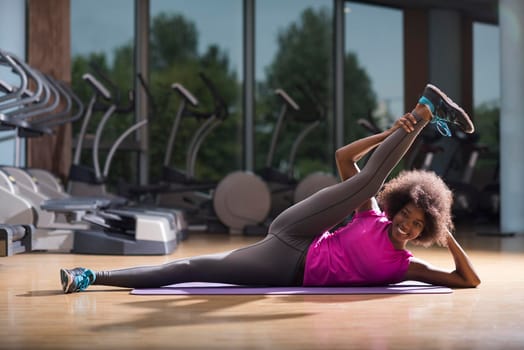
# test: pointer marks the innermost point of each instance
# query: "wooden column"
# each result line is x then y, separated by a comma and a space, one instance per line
467, 66
48, 50
416, 64
416, 57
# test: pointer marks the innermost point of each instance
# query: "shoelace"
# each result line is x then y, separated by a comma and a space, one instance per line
82, 282
441, 125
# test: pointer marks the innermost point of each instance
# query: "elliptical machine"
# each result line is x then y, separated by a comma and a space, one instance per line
208, 206
180, 188
459, 174
285, 188
270, 189
91, 181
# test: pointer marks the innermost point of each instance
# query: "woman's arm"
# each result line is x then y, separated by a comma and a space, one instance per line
347, 156
464, 275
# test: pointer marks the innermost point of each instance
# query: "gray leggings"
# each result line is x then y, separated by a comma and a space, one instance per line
277, 260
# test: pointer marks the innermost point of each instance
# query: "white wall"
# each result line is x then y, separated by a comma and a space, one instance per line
12, 39
511, 21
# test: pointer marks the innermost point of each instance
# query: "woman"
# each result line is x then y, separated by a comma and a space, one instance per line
369, 250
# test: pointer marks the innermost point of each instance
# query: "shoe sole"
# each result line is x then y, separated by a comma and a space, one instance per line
65, 280
468, 126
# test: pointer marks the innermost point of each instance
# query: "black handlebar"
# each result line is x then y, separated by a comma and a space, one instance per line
114, 88
111, 96
220, 110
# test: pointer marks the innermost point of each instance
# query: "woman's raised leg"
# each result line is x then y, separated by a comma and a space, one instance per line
329, 206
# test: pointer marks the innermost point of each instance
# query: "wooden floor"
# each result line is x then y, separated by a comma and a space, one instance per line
34, 314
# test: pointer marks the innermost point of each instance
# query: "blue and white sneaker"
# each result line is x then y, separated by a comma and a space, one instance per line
445, 111
77, 279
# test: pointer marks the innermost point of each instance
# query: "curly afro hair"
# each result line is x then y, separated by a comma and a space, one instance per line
427, 191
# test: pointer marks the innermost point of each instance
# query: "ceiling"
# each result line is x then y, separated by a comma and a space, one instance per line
478, 10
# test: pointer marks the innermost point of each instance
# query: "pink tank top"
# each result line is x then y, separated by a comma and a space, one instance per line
359, 253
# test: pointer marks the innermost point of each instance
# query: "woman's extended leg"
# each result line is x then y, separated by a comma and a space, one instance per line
268, 262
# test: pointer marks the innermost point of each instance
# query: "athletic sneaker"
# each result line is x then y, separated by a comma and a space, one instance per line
77, 279
445, 111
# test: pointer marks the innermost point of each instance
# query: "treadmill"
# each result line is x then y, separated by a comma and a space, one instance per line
93, 225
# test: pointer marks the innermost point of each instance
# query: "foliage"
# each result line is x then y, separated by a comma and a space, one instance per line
302, 66
173, 59
487, 118
173, 40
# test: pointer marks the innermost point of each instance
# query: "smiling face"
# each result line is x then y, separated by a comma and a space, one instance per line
406, 225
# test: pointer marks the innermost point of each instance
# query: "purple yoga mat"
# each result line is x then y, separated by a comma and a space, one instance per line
198, 288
